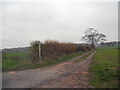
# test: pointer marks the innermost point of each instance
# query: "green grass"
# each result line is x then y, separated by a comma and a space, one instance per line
107, 47
12, 60
23, 63
82, 58
104, 68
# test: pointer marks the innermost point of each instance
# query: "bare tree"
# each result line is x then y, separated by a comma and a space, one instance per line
93, 37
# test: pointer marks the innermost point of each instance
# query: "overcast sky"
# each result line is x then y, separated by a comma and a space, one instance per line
62, 20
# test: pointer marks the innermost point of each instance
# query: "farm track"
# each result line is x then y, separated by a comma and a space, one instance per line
64, 75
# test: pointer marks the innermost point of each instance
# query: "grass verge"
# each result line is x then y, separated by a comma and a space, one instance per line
14, 65
82, 58
104, 69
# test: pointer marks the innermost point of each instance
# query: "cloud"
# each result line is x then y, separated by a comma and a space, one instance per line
62, 20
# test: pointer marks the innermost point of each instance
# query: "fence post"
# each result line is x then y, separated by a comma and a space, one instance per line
40, 56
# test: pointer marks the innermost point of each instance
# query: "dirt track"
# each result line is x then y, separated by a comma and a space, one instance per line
65, 75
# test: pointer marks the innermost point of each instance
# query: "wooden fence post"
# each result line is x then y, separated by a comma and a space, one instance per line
40, 54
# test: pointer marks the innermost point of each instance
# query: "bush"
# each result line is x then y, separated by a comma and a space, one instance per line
84, 48
81, 48
52, 50
89, 48
34, 51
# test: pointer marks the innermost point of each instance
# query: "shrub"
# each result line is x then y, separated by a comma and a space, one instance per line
88, 47
68, 48
52, 50
81, 48
34, 51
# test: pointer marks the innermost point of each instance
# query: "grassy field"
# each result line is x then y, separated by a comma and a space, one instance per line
20, 61
12, 60
104, 68
107, 47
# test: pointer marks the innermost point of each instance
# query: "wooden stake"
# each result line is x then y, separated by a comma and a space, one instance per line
40, 50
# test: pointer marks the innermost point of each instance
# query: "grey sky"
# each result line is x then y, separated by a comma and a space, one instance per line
63, 20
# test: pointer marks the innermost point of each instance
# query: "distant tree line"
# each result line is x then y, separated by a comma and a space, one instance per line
112, 43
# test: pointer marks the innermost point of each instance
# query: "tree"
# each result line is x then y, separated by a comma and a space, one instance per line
93, 37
